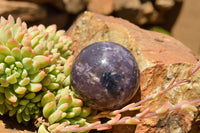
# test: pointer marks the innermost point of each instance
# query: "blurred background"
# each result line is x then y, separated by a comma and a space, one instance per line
178, 18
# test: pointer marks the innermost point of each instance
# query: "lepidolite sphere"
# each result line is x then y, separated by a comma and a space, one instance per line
105, 75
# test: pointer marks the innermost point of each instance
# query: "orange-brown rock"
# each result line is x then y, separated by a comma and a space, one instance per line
164, 4
27, 11
34, 13
105, 7
73, 6
137, 11
37, 1
160, 57
56, 3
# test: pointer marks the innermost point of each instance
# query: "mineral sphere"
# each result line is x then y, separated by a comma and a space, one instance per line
105, 75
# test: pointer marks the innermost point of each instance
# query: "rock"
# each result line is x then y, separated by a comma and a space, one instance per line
34, 14
56, 3
74, 6
29, 12
136, 11
102, 7
164, 4
151, 15
36, 1
160, 57
148, 12
127, 4
147, 8
178, 0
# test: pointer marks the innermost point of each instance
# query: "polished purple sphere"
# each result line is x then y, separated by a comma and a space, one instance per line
105, 75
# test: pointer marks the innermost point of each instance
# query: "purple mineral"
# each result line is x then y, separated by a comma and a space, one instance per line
105, 75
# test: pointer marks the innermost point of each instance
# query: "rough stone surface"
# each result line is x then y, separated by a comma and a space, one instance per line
105, 7
27, 11
160, 58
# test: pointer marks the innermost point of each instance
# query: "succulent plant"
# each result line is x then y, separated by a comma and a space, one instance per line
63, 109
35, 65
32, 62
35, 75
